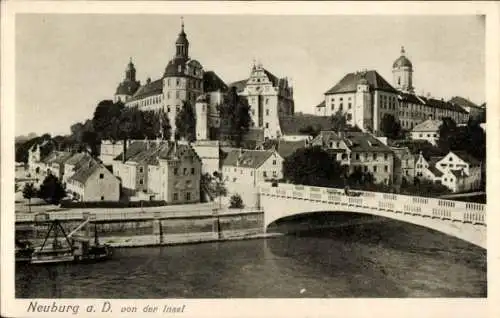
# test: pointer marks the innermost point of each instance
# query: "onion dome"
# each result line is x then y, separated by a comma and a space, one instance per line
127, 88
182, 39
402, 61
175, 67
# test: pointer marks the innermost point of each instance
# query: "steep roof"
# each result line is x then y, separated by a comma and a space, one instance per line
56, 157
355, 141
291, 125
349, 83
441, 104
322, 104
458, 173
62, 157
213, 83
286, 148
466, 157
409, 98
149, 89
430, 125
75, 158
85, 171
247, 158
132, 149
274, 79
435, 171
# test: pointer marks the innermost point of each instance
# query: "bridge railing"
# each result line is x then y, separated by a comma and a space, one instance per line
413, 205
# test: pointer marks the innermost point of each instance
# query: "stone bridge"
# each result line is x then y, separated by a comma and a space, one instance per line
464, 220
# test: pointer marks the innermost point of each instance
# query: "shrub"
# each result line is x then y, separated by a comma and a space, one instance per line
236, 202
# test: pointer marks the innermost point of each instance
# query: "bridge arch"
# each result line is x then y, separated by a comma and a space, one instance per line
460, 219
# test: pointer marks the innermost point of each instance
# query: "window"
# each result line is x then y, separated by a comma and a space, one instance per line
349, 105
178, 82
374, 168
101, 176
264, 174
267, 101
241, 171
175, 171
275, 174
176, 196
333, 107
357, 156
141, 182
274, 162
168, 94
407, 172
177, 108
267, 112
168, 109
177, 94
102, 198
267, 125
184, 171
192, 170
141, 169
168, 82
420, 135
386, 168
188, 196
451, 159
386, 156
366, 168
341, 106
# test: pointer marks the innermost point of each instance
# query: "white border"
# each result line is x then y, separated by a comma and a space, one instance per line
262, 307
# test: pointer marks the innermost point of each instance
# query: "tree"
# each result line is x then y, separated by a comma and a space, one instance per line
185, 123
104, 120
339, 121
235, 116
51, 190
313, 166
236, 202
447, 131
29, 192
390, 126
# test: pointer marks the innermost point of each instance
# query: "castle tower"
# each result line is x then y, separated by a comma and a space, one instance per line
402, 71
128, 86
363, 112
182, 43
201, 109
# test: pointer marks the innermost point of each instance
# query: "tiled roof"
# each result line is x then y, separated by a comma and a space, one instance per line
355, 141
132, 149
286, 148
85, 171
149, 89
349, 83
247, 158
463, 102
150, 150
409, 98
441, 104
430, 125
62, 157
77, 157
212, 82
239, 85
466, 157
291, 125
435, 171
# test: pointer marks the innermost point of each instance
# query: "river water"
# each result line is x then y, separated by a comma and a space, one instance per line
377, 258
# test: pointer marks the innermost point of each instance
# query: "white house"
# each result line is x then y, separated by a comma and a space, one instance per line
427, 130
458, 171
93, 182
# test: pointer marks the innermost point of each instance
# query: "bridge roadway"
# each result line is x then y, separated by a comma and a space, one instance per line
463, 220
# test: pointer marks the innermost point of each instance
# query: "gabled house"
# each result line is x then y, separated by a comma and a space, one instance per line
252, 167
93, 182
457, 170
427, 130
74, 163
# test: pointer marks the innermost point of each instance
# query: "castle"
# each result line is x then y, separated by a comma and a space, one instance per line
185, 81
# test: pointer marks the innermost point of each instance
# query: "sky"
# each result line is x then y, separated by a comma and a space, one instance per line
67, 63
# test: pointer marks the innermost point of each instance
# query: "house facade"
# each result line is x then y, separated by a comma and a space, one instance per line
359, 151
92, 183
427, 130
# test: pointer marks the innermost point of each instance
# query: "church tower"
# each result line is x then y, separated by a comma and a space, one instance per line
128, 86
402, 71
182, 43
